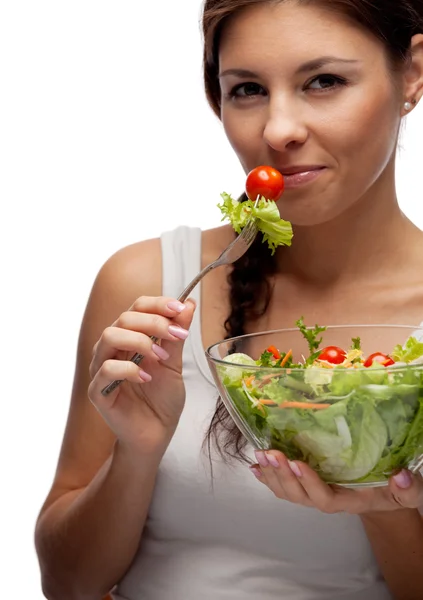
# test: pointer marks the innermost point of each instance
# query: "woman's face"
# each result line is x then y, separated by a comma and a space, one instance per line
309, 93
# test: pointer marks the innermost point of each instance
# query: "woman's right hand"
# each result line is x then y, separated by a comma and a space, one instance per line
144, 410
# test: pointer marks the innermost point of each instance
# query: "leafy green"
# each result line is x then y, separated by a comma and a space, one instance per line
265, 359
318, 378
341, 385
281, 393
356, 344
232, 375
412, 350
397, 416
254, 417
344, 442
413, 444
310, 334
276, 232
369, 437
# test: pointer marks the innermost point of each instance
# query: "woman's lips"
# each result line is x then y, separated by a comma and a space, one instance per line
294, 180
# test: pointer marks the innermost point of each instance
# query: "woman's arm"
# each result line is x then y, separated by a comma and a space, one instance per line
91, 523
389, 514
87, 538
397, 542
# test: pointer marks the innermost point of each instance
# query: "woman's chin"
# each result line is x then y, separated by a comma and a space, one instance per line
312, 211
312, 216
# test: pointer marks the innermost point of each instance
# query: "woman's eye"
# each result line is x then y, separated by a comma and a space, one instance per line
326, 82
246, 90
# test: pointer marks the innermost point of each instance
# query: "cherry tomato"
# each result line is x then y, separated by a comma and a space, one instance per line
383, 359
273, 350
333, 355
264, 181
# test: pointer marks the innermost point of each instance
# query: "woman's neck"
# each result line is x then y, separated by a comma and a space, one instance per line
369, 239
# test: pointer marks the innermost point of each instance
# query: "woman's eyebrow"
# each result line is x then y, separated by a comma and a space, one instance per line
318, 63
238, 73
312, 65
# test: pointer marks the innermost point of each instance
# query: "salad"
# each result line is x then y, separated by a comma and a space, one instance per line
353, 418
264, 187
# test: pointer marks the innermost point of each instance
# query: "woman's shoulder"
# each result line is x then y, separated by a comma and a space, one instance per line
130, 272
215, 240
136, 270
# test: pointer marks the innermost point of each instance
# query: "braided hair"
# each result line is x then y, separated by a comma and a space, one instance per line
250, 293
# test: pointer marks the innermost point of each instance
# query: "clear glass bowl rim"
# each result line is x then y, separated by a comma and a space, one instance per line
411, 328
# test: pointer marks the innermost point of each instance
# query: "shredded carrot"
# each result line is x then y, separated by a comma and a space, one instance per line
287, 357
268, 378
267, 402
312, 405
249, 380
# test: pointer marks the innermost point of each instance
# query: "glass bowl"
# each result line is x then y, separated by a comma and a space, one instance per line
354, 426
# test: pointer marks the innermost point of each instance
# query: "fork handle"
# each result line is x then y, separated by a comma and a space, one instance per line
137, 358
182, 297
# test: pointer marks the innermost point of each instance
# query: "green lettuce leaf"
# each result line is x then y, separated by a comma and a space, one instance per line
397, 416
397, 455
233, 376
310, 335
276, 232
281, 393
413, 444
412, 350
369, 437
254, 417
344, 442
344, 381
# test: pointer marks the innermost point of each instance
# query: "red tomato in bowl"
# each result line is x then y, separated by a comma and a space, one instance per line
382, 359
333, 355
264, 181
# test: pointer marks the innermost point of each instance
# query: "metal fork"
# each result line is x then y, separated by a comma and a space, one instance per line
230, 255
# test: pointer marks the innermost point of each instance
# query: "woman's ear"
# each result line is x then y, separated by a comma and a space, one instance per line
413, 75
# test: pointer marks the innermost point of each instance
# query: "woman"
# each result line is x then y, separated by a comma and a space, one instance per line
317, 90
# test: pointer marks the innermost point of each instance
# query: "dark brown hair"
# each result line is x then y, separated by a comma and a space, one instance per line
394, 23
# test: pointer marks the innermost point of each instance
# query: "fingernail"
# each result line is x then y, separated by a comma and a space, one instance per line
261, 458
272, 460
403, 479
255, 471
176, 306
295, 468
178, 332
160, 352
145, 376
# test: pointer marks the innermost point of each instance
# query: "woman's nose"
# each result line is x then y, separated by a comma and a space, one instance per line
285, 127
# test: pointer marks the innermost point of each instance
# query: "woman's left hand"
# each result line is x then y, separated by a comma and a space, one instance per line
298, 483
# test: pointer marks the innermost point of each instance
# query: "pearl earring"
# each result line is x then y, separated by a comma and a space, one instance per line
409, 105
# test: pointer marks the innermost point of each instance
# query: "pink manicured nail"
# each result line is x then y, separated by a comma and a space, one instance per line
272, 460
261, 458
145, 376
176, 306
178, 332
256, 472
295, 468
159, 352
403, 479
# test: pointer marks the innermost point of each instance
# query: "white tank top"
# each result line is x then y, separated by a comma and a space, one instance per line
235, 541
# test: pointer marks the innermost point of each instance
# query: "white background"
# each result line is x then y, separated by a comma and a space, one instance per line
102, 116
